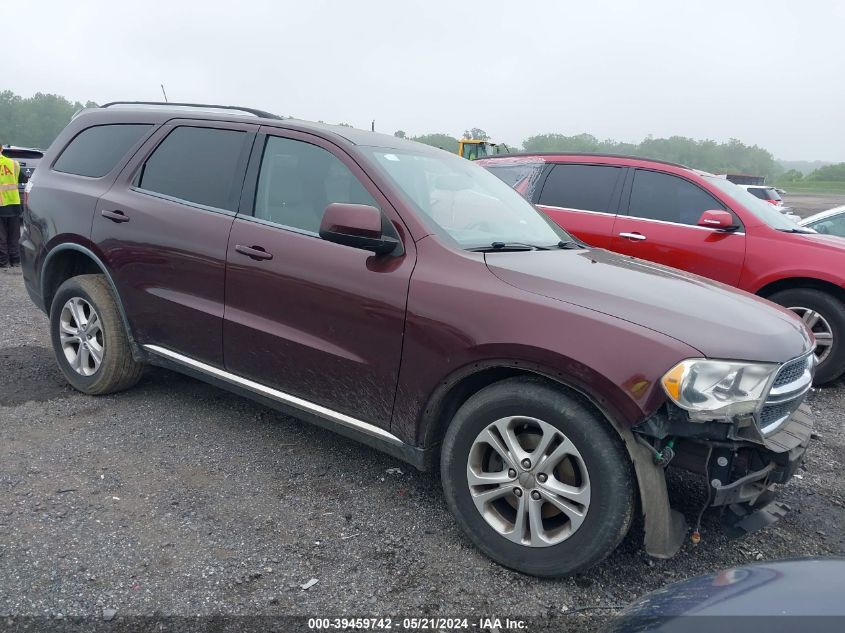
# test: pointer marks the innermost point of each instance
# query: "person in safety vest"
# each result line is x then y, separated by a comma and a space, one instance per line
10, 211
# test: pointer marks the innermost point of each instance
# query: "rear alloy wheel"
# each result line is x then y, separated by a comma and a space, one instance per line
537, 478
89, 338
81, 335
824, 315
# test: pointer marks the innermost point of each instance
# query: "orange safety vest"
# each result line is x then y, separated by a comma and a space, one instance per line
9, 172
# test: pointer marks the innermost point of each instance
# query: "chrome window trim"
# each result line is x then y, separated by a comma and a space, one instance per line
551, 206
279, 396
633, 217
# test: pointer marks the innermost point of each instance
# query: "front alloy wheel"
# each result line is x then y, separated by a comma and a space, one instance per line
528, 481
536, 477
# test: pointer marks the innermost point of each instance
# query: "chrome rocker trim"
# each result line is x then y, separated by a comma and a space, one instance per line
279, 396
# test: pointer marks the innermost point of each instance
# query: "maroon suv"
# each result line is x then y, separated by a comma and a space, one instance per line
407, 298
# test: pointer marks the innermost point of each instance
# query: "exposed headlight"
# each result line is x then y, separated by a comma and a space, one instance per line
716, 389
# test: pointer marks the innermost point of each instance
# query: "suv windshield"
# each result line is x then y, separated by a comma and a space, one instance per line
467, 202
763, 210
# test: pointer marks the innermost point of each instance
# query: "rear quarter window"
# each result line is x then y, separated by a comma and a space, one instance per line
95, 151
523, 177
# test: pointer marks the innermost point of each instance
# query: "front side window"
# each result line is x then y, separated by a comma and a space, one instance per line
197, 165
95, 152
762, 210
585, 187
658, 196
299, 180
465, 201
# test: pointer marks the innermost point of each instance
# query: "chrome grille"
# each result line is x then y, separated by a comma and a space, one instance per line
787, 392
772, 413
790, 372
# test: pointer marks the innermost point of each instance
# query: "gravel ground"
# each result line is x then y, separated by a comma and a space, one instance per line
177, 498
805, 204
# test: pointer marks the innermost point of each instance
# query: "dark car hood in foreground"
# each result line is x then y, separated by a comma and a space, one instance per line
717, 320
810, 589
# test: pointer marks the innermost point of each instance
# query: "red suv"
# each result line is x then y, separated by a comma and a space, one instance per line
698, 222
407, 298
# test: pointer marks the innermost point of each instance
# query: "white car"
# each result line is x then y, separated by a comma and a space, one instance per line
830, 222
770, 195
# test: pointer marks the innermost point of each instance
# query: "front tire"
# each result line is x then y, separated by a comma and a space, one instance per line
824, 314
536, 478
89, 339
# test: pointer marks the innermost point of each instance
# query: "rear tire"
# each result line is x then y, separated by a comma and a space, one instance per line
89, 339
583, 505
829, 327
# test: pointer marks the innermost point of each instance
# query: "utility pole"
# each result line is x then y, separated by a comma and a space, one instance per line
373, 126
163, 92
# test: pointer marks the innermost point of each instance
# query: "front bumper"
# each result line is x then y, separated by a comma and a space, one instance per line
743, 474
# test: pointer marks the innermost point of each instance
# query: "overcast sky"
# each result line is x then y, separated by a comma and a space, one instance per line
770, 73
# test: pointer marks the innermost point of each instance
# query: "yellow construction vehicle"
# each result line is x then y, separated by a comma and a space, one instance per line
473, 149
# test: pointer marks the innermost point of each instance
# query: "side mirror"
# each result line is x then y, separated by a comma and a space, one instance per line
718, 219
356, 225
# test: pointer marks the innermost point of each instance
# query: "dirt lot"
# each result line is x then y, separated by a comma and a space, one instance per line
809, 203
178, 498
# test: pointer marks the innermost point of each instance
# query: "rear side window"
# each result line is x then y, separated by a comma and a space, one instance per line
23, 154
299, 180
658, 196
95, 151
585, 187
196, 164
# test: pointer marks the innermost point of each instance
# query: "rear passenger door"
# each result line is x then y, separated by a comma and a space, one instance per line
661, 225
316, 320
163, 228
583, 199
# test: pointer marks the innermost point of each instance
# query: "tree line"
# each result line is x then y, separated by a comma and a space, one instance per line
35, 121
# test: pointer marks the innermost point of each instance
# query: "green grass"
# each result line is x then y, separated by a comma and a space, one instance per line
813, 186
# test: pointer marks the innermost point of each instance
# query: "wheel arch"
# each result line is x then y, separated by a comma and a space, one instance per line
791, 283
69, 260
459, 386
664, 528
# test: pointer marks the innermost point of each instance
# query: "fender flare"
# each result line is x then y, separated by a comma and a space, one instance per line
72, 246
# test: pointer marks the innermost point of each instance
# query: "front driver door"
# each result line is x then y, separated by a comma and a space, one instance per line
661, 226
314, 319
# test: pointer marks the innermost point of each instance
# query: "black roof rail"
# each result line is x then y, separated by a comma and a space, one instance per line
586, 154
164, 104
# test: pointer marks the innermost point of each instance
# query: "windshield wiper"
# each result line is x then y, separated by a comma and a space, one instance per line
803, 231
571, 245
508, 246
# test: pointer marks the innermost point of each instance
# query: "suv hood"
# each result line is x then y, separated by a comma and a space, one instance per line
717, 320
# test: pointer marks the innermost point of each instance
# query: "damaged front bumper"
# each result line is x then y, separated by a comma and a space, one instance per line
740, 473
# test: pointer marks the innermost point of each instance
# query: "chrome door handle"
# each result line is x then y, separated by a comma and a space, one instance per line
633, 236
115, 216
255, 252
